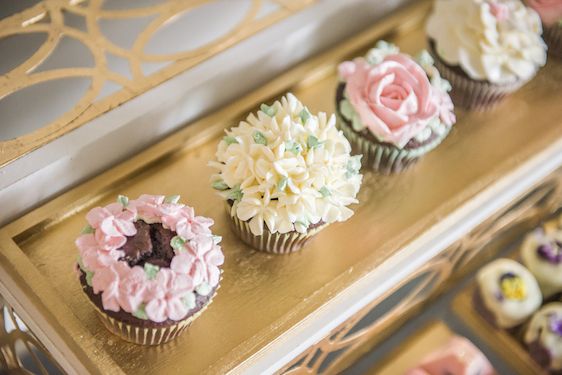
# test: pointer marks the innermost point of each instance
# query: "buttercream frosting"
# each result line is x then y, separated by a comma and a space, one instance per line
550, 11
395, 97
498, 41
546, 328
149, 292
509, 291
287, 169
541, 252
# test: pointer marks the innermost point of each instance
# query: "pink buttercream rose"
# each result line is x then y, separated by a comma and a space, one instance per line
106, 280
200, 261
394, 99
132, 289
550, 11
93, 255
165, 296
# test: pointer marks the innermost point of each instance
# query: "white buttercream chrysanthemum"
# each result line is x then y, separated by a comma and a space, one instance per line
287, 168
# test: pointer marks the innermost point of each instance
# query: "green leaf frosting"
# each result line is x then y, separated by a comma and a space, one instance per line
325, 192
313, 142
259, 138
219, 185
87, 229
353, 166
172, 199
217, 239
203, 289
230, 140
188, 300
89, 276
151, 271
293, 147
140, 313
177, 243
282, 184
235, 193
123, 200
270, 111
304, 115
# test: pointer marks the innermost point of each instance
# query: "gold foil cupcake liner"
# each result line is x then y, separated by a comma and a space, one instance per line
552, 36
277, 243
148, 335
382, 158
474, 95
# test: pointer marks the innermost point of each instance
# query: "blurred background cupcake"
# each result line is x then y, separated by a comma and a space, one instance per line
392, 108
487, 49
285, 174
543, 337
149, 266
550, 12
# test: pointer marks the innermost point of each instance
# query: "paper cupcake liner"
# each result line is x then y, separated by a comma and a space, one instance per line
147, 335
552, 36
383, 158
474, 95
277, 243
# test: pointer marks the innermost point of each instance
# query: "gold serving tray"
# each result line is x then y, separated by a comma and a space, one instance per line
505, 344
263, 297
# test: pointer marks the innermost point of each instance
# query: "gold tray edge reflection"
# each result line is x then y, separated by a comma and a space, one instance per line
500, 341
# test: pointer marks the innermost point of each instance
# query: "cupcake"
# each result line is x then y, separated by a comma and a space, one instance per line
285, 174
543, 338
507, 294
148, 266
541, 252
458, 357
392, 108
550, 12
487, 49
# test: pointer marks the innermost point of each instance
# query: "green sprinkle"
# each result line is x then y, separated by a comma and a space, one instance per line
220, 185
235, 193
189, 300
172, 199
140, 313
89, 276
123, 200
304, 115
230, 140
293, 147
313, 142
177, 242
325, 192
259, 138
87, 229
282, 184
268, 110
151, 271
203, 289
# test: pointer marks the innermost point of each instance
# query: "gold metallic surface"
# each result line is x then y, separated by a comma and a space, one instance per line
48, 17
264, 295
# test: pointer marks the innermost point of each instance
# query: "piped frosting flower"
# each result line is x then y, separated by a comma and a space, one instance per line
285, 169
149, 292
395, 97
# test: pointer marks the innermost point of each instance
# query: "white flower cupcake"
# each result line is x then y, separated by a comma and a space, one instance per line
487, 49
543, 337
285, 174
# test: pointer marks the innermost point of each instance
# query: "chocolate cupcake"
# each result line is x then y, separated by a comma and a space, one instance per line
149, 266
507, 294
487, 49
285, 174
391, 108
457, 356
541, 252
543, 337
550, 12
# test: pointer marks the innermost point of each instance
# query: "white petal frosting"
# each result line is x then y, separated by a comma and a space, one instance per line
494, 40
286, 169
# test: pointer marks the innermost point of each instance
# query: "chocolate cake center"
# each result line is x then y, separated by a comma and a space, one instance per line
151, 244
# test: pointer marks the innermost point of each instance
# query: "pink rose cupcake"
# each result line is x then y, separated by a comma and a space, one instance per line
391, 108
550, 12
149, 266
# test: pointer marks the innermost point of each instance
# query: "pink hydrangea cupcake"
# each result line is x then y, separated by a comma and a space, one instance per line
487, 49
149, 266
392, 108
550, 12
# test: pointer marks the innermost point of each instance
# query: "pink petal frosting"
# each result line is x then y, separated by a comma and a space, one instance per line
550, 11
130, 288
394, 99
